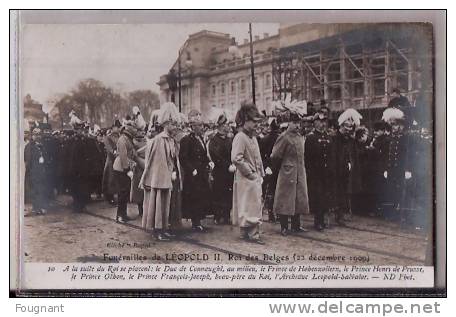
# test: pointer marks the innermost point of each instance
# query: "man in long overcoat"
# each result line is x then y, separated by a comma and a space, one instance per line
245, 155
347, 179
110, 142
195, 166
291, 200
222, 189
35, 165
123, 166
80, 169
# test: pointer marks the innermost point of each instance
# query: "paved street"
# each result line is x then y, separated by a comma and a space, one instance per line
64, 236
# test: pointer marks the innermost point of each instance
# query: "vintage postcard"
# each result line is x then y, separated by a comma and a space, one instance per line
158, 153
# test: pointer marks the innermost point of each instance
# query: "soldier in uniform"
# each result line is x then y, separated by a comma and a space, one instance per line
270, 180
376, 156
347, 178
399, 159
195, 166
50, 147
79, 166
319, 161
291, 199
96, 153
220, 152
34, 157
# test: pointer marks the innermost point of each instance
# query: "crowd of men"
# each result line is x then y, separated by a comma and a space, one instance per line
297, 163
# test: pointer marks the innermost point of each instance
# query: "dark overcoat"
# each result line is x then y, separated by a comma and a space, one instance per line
35, 165
220, 153
347, 170
196, 191
269, 184
319, 161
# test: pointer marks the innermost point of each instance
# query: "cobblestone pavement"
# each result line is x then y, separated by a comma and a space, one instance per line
64, 236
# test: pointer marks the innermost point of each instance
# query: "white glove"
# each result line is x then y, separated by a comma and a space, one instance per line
195, 172
385, 174
130, 174
268, 171
211, 165
232, 168
349, 166
173, 176
408, 175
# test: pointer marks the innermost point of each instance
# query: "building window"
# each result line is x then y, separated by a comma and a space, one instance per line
213, 90
222, 106
232, 86
268, 81
222, 88
256, 84
242, 84
232, 106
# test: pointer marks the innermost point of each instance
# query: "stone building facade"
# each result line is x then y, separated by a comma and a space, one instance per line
340, 65
217, 78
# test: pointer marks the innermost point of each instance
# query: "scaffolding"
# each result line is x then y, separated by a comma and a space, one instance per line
357, 69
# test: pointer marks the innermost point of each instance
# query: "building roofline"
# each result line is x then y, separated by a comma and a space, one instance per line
260, 40
209, 33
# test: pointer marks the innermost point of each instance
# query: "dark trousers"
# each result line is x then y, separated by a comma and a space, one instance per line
284, 220
222, 213
80, 194
319, 217
38, 197
123, 192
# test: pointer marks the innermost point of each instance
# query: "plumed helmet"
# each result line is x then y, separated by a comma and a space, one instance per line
168, 112
391, 115
350, 115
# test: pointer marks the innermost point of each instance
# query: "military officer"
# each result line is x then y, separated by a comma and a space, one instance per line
397, 167
195, 164
35, 165
347, 177
223, 172
319, 162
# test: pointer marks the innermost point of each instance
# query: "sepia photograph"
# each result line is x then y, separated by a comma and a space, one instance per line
223, 155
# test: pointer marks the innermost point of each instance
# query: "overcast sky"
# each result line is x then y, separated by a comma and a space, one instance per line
124, 56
